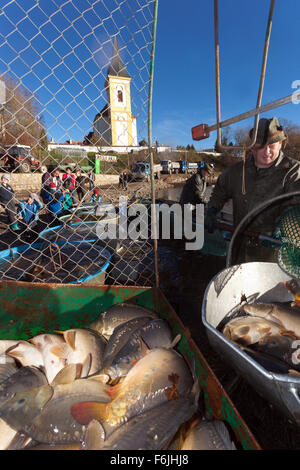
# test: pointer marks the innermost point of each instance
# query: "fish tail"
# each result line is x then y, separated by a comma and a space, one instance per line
86, 411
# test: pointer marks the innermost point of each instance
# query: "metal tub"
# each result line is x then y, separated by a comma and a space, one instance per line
31, 253
258, 282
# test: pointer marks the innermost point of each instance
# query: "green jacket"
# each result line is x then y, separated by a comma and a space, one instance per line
261, 184
67, 201
194, 190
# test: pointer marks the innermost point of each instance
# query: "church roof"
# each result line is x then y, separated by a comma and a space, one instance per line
104, 113
116, 67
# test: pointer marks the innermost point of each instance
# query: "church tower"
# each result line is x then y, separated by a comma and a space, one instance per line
115, 123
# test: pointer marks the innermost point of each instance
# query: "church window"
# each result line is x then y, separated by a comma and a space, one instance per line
120, 96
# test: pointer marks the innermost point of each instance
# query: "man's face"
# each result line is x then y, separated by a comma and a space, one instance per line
266, 156
205, 174
56, 174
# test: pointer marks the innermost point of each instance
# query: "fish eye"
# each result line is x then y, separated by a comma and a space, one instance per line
21, 401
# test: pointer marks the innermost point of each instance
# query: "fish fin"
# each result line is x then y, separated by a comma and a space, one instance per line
144, 347
11, 348
86, 365
172, 391
15, 354
294, 373
20, 441
59, 350
195, 421
70, 338
102, 377
175, 341
86, 411
113, 391
59, 332
67, 375
288, 333
94, 436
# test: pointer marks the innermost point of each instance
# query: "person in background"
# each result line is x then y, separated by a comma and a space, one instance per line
56, 179
79, 183
121, 181
67, 202
125, 181
55, 203
7, 199
46, 180
266, 174
194, 189
28, 215
91, 180
96, 196
68, 180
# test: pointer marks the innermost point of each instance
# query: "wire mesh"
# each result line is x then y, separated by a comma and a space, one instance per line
288, 256
74, 95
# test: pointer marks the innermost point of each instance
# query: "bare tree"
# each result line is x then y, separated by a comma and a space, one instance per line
22, 117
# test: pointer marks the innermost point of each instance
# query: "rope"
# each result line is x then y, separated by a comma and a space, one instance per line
244, 174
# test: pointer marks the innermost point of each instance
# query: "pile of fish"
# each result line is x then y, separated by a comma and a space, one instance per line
270, 332
117, 384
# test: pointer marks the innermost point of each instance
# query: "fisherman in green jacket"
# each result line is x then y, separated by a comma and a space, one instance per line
267, 173
194, 189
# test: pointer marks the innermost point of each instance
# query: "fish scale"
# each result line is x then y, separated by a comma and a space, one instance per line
121, 336
151, 430
155, 333
6, 370
143, 388
118, 314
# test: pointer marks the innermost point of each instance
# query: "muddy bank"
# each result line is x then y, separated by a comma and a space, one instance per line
163, 188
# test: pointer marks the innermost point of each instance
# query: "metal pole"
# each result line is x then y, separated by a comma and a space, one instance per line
217, 69
150, 142
254, 111
261, 82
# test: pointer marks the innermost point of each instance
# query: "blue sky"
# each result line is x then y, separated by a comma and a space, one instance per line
184, 87
60, 50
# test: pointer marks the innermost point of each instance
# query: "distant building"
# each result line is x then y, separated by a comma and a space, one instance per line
115, 125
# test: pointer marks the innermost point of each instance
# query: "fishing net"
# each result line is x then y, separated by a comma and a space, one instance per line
288, 256
74, 93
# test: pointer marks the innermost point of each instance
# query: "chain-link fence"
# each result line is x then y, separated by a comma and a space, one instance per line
74, 96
